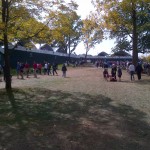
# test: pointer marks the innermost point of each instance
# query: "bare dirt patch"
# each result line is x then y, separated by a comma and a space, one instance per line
80, 112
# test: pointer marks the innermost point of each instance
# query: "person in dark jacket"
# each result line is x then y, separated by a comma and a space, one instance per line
64, 69
119, 72
139, 70
106, 74
113, 71
54, 67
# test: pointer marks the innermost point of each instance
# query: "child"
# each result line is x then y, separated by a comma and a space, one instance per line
105, 74
119, 72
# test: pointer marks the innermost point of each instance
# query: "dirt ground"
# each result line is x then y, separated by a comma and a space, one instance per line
89, 80
79, 112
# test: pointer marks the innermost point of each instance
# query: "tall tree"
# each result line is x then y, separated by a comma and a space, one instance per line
66, 27
127, 20
122, 45
91, 33
4, 23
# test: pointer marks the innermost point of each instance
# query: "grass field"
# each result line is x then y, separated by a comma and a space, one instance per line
80, 112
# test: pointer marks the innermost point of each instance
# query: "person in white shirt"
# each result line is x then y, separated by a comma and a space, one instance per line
131, 71
45, 68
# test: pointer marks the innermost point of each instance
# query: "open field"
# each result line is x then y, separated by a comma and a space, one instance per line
80, 112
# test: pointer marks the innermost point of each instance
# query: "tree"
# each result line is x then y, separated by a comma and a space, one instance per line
66, 27
91, 33
17, 18
128, 21
122, 45
146, 58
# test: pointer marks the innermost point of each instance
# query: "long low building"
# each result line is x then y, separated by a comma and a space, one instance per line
22, 54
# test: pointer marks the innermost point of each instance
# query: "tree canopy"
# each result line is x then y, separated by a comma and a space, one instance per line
65, 27
92, 34
24, 19
128, 21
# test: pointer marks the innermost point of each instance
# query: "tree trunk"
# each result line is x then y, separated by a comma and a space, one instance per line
87, 49
5, 17
69, 47
86, 56
7, 64
135, 38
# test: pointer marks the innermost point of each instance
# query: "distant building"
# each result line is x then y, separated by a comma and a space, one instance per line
46, 47
103, 54
26, 44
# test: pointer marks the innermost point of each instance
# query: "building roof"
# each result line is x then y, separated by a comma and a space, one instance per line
46, 47
103, 54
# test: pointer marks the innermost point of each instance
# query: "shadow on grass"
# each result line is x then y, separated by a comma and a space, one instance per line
40, 119
143, 82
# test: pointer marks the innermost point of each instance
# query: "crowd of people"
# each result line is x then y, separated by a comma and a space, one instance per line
116, 70
25, 70
37, 68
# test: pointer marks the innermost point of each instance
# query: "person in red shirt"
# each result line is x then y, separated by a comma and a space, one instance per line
27, 69
39, 66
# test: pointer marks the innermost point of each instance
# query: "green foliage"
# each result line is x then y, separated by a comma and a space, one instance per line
126, 20
146, 58
91, 33
65, 26
24, 20
122, 45
52, 22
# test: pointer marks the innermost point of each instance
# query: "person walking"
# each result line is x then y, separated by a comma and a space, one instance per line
113, 71
45, 68
21, 70
39, 68
49, 67
18, 69
131, 71
26, 66
119, 72
105, 74
139, 70
54, 67
64, 70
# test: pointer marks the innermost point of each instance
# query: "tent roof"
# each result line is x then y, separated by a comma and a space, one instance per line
46, 47
102, 54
